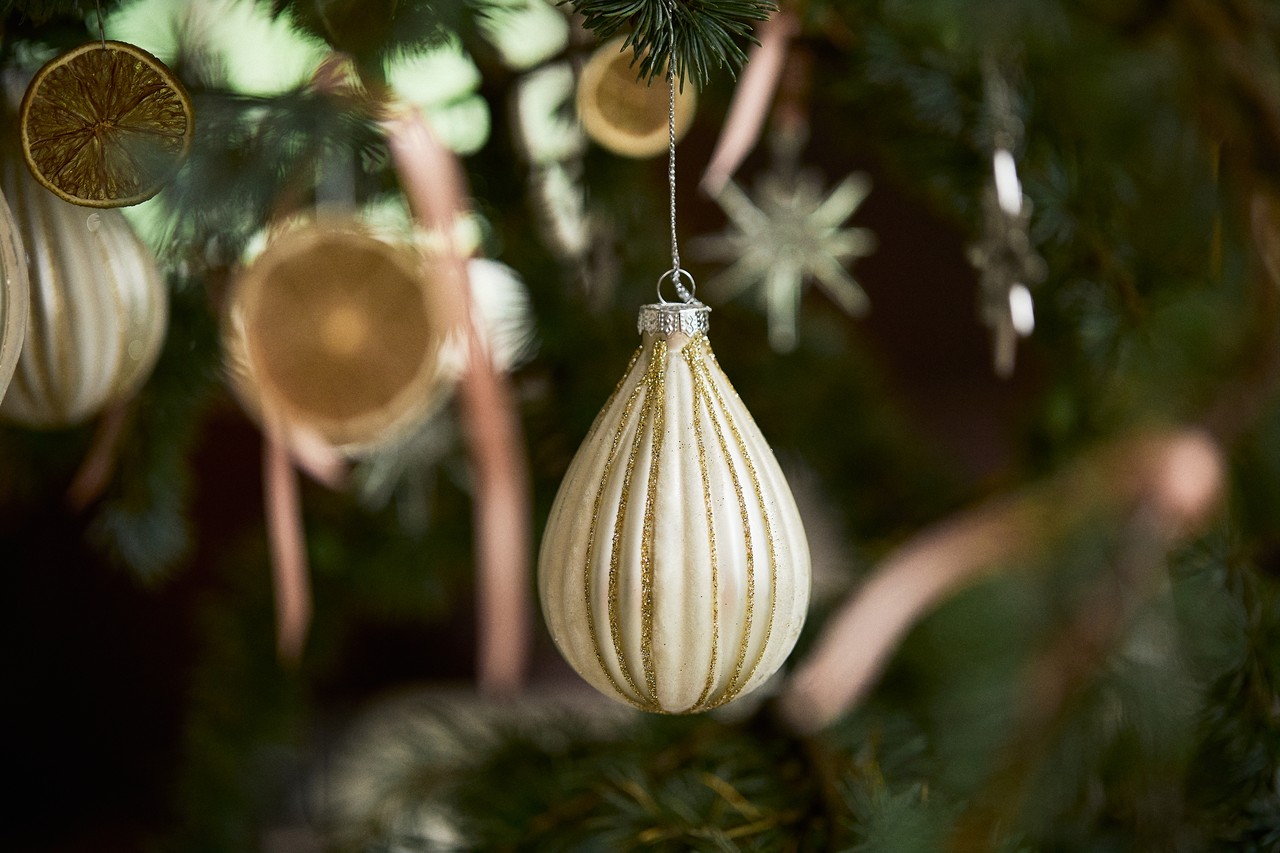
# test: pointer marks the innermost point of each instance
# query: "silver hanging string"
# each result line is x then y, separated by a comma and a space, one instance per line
677, 274
102, 33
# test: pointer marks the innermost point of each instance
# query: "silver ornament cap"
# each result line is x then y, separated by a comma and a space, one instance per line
664, 319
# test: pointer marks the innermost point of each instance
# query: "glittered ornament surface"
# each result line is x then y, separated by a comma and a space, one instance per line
674, 572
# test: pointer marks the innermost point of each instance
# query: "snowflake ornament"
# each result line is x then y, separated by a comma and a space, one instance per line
788, 234
1006, 262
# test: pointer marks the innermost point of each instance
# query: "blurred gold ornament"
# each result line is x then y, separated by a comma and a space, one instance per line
674, 572
335, 333
105, 125
627, 115
14, 294
98, 310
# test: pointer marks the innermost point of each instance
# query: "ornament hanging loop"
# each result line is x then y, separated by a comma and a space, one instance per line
678, 277
102, 31
686, 295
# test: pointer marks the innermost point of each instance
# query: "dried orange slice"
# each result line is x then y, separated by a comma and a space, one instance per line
105, 125
339, 331
624, 114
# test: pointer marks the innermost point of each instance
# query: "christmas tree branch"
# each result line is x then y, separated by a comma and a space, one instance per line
1228, 34
701, 34
1177, 476
41, 11
1243, 401
1060, 674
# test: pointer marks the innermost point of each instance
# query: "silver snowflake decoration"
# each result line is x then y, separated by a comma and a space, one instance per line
1007, 262
788, 234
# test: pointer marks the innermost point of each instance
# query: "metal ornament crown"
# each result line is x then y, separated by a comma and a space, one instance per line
665, 319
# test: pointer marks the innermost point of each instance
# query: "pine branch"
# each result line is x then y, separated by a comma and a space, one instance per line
701, 34
41, 11
374, 29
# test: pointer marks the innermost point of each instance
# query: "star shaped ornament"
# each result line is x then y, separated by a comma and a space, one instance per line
791, 233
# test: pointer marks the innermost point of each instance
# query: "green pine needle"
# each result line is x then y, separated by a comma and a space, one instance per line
706, 33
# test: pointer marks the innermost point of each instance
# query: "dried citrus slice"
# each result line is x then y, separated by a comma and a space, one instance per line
336, 330
105, 125
624, 114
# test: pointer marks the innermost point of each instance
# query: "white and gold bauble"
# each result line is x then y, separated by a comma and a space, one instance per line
98, 306
674, 571
333, 330
627, 115
14, 289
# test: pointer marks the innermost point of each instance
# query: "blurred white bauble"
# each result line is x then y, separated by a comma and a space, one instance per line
14, 294
99, 308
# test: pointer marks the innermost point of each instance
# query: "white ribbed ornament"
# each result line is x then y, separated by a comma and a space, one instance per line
14, 288
674, 571
98, 311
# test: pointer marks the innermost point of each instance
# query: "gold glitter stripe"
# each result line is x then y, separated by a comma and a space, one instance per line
656, 403
656, 362
735, 689
615, 556
700, 402
702, 351
595, 519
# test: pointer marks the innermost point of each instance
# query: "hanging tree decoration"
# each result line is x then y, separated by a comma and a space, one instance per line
335, 332
626, 115
333, 344
674, 570
335, 336
790, 232
1005, 258
105, 125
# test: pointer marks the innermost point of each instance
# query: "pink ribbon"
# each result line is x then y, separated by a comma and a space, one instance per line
432, 179
288, 547
100, 461
751, 101
1177, 477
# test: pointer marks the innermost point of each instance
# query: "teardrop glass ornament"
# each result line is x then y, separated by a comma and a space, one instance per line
674, 571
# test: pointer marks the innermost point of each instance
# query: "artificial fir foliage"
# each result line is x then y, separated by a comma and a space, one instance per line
1110, 683
704, 37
